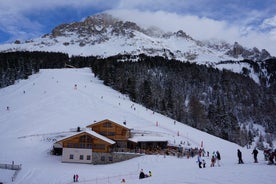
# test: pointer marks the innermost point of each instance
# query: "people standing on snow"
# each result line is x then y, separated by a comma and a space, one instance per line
218, 158
74, 178
199, 161
203, 163
240, 157
255, 154
77, 178
271, 157
213, 161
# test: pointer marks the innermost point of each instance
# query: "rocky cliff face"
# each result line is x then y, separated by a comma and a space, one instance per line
252, 54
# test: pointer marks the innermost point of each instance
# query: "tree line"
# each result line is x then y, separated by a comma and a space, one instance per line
20, 65
222, 103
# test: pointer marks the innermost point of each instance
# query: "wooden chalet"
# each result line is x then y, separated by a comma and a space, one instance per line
79, 147
104, 142
114, 131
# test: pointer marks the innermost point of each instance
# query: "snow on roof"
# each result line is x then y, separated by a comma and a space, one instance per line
95, 134
92, 133
148, 138
107, 120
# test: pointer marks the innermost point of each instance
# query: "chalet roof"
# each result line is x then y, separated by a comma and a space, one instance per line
89, 132
107, 120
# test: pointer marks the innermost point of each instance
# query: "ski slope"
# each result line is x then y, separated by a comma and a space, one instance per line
47, 106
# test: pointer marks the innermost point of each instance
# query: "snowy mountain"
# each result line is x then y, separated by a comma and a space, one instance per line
104, 35
47, 106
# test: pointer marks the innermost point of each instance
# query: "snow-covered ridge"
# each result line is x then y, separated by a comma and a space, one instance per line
103, 35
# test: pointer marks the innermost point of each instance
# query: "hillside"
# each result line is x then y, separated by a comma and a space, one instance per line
197, 95
46, 106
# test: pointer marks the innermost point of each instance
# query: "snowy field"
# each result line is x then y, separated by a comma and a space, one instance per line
46, 107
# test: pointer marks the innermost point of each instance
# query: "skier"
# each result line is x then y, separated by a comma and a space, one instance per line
218, 158
213, 161
74, 178
240, 156
199, 161
77, 178
255, 153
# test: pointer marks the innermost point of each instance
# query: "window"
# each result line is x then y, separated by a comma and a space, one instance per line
102, 158
71, 157
111, 133
85, 142
81, 157
85, 139
88, 157
110, 159
70, 145
89, 146
104, 133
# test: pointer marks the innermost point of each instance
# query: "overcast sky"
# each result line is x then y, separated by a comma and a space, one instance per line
250, 22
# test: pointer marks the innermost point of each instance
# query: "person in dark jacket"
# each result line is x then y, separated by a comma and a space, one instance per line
142, 174
240, 157
218, 158
255, 154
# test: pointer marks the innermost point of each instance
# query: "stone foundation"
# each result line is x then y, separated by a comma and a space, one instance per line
108, 158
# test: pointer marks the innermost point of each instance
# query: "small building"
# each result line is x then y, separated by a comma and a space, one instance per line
81, 146
107, 142
114, 131
148, 143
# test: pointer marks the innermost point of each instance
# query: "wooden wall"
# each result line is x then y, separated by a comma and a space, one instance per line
87, 141
111, 130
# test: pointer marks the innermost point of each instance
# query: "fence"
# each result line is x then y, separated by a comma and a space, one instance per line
111, 179
12, 166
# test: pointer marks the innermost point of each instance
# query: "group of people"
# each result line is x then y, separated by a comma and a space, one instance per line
76, 178
269, 155
215, 159
143, 175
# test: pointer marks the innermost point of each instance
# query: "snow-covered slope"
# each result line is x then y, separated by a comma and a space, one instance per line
47, 106
103, 35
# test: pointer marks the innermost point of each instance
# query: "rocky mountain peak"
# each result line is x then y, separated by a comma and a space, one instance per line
238, 50
94, 25
104, 35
